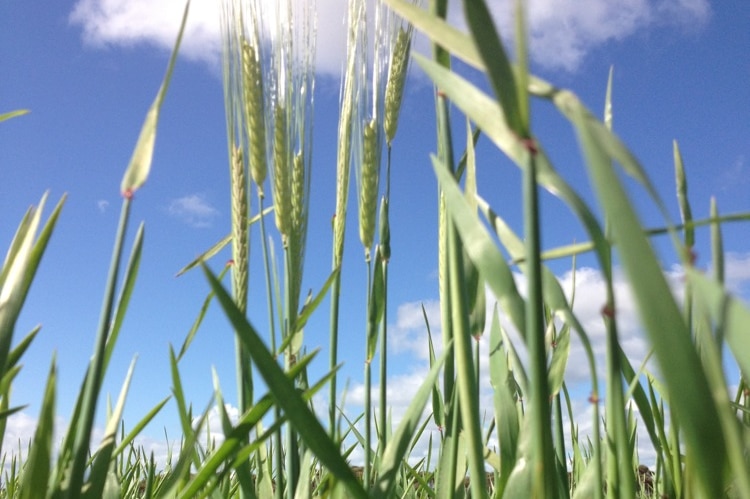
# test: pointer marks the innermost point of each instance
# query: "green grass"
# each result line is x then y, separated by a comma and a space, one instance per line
699, 431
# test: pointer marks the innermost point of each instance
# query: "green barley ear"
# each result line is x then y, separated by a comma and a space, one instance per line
252, 86
299, 194
368, 190
384, 246
394, 88
239, 228
281, 190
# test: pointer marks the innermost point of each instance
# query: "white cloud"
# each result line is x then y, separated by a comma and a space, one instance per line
193, 210
737, 272
408, 341
562, 32
132, 22
102, 205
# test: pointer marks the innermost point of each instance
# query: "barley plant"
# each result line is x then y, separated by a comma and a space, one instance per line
282, 445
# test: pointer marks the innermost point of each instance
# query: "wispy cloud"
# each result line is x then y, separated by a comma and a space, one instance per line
562, 32
193, 210
102, 205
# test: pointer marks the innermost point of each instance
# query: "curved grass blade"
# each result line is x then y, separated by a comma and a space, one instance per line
498, 68
131, 272
216, 248
140, 162
688, 387
682, 196
480, 248
17, 352
286, 395
99, 471
313, 304
13, 114
438, 407
398, 445
19, 268
199, 320
504, 398
35, 479
585, 247
488, 116
138, 428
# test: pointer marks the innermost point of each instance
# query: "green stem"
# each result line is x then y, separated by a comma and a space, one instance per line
278, 458
467, 383
92, 383
366, 475
292, 448
542, 454
383, 402
333, 345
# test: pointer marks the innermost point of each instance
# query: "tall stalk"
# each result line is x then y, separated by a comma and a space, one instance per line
349, 96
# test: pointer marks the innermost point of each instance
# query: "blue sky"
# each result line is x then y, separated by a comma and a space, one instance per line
88, 71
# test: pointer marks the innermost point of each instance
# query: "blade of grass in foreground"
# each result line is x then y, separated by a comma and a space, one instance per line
688, 387
398, 444
35, 478
134, 177
99, 471
286, 395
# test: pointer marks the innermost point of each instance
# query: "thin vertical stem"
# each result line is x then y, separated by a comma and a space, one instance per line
368, 385
543, 469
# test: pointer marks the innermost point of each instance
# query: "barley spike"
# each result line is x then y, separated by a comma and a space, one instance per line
254, 114
368, 191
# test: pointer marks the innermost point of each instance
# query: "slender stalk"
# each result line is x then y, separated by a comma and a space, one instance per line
543, 464
93, 379
366, 474
449, 447
384, 250
465, 375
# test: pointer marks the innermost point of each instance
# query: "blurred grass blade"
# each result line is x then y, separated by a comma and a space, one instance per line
439, 31
398, 444
36, 474
19, 269
13, 114
497, 64
728, 312
121, 307
504, 398
231, 445
438, 407
138, 428
103, 457
313, 304
688, 386
17, 352
285, 393
199, 320
682, 196
480, 248
140, 162
216, 248
488, 116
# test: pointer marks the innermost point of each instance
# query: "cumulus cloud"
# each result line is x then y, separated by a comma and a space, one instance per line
193, 210
562, 32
